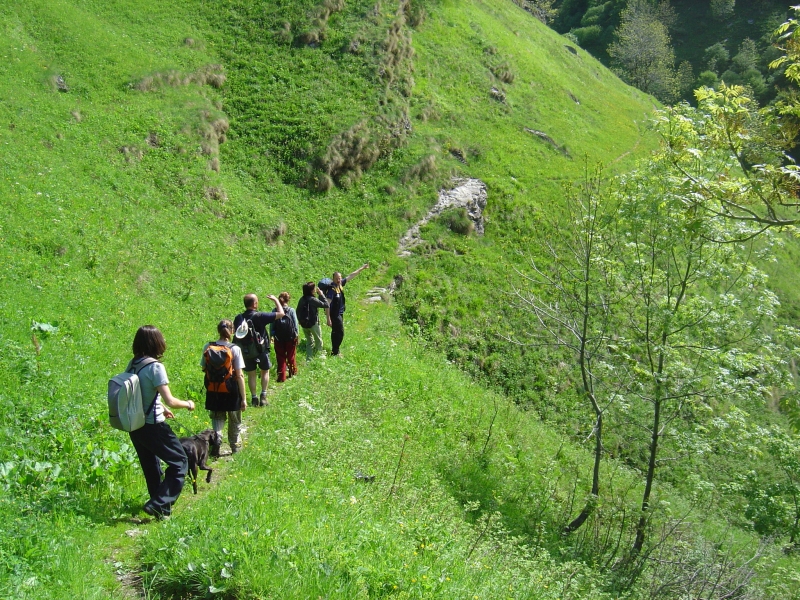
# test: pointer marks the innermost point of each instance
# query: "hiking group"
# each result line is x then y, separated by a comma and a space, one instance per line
140, 399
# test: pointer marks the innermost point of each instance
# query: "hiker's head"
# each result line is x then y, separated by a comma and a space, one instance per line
225, 329
283, 298
251, 301
308, 288
337, 278
149, 341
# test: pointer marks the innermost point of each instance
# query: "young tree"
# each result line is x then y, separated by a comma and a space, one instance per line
573, 298
657, 304
695, 309
642, 53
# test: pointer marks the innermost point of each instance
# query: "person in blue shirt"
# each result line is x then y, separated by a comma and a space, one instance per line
336, 308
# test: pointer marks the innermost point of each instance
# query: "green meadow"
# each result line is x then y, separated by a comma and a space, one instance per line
159, 160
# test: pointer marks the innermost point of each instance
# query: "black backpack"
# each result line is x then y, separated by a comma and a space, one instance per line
253, 344
306, 312
285, 327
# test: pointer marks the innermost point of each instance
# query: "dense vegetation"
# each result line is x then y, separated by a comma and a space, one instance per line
680, 44
164, 160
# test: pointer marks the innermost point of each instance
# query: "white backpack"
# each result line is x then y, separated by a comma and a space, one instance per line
125, 409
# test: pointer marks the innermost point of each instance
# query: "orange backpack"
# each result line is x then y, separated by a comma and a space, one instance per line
219, 368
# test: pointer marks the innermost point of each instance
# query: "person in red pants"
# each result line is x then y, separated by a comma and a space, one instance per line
284, 331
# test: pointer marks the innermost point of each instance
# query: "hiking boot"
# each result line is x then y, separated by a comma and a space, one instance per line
254, 401
154, 512
262, 400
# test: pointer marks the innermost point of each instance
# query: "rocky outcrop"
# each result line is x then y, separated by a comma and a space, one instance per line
469, 194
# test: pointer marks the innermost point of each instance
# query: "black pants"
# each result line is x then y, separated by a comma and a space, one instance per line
154, 443
337, 333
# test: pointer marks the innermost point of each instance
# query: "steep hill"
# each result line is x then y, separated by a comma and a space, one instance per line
161, 160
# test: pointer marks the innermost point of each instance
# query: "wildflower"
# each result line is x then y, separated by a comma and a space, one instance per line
353, 500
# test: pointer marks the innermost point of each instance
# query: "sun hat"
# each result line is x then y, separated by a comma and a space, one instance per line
242, 330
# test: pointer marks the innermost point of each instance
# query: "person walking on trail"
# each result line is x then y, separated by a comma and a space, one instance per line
226, 397
155, 441
255, 351
308, 317
336, 308
284, 332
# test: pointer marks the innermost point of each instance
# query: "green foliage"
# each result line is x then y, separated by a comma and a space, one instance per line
587, 35
716, 57
643, 54
722, 9
693, 30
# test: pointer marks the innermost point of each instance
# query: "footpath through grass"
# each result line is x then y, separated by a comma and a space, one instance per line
356, 483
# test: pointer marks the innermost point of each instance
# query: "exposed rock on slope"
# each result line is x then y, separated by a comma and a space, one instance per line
468, 193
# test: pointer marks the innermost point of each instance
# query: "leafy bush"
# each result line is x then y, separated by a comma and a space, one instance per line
707, 79
587, 35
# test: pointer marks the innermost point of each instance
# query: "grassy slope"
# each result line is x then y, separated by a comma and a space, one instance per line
455, 289
97, 245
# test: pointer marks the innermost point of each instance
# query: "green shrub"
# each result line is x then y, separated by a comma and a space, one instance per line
458, 221
707, 79
587, 35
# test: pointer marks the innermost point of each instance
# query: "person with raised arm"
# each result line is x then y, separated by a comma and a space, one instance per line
335, 311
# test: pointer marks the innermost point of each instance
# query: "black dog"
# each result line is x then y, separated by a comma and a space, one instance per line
196, 448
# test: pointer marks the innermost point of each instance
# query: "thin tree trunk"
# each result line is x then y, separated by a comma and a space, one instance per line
591, 503
648, 487
588, 389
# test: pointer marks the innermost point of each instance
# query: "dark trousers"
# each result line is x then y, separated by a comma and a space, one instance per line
337, 333
154, 443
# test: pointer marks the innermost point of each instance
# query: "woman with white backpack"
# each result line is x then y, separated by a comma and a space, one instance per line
155, 441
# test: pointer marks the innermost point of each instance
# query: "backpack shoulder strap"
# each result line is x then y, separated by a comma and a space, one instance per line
147, 360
